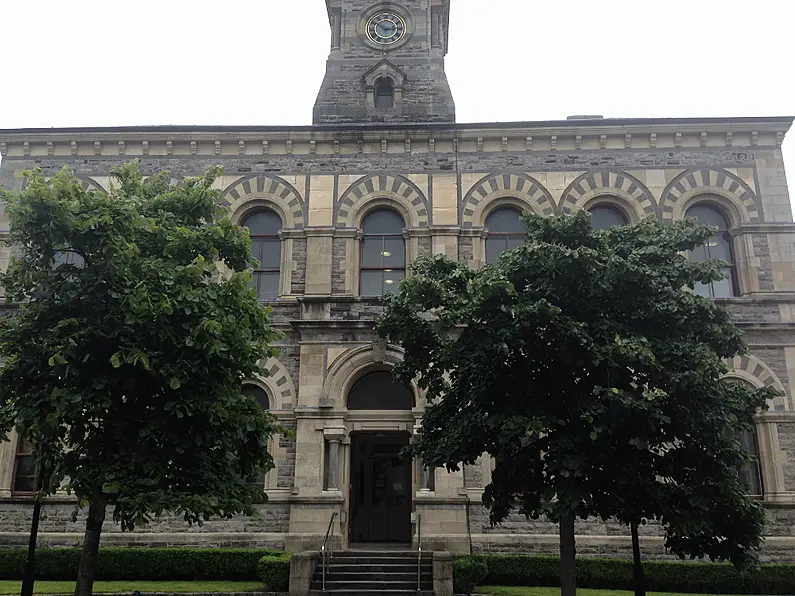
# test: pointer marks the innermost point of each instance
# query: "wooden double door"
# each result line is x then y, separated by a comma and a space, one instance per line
380, 488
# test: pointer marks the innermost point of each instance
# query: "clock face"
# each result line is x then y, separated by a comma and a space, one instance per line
386, 28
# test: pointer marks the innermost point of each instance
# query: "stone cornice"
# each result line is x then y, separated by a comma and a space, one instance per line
763, 228
736, 134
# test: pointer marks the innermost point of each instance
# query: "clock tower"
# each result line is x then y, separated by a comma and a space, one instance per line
386, 63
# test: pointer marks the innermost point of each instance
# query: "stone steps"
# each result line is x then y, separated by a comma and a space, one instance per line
384, 573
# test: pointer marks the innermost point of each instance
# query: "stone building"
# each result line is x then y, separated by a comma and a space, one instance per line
384, 175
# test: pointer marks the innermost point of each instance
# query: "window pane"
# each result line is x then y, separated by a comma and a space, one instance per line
514, 241
267, 285
271, 253
703, 290
383, 221
506, 220
25, 476
723, 288
750, 472
392, 280
372, 247
394, 252
263, 223
372, 283
698, 254
495, 245
380, 391
720, 248
259, 394
708, 215
604, 217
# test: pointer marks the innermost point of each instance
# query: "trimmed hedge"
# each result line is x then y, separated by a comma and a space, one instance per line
274, 571
661, 576
231, 564
468, 574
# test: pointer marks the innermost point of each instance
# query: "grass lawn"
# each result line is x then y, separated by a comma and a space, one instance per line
42, 587
519, 591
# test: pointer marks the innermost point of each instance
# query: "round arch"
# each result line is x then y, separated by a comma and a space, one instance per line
719, 186
354, 364
493, 191
383, 190
617, 188
270, 192
278, 384
751, 369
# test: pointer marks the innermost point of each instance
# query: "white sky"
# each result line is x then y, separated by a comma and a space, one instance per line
240, 62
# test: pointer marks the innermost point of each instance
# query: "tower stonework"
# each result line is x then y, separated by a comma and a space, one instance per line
386, 63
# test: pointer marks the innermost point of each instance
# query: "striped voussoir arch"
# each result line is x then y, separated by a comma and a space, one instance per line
392, 186
712, 181
614, 183
281, 383
760, 374
272, 187
522, 187
86, 182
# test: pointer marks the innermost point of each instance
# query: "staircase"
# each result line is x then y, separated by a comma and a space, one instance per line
386, 573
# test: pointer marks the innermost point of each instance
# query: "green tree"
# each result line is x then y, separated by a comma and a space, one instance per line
584, 366
125, 359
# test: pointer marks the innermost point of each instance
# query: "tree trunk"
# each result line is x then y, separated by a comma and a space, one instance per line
568, 552
88, 559
29, 576
637, 568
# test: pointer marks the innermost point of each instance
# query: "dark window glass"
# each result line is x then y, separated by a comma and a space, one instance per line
604, 217
384, 94
379, 391
263, 399
718, 246
383, 253
259, 394
24, 468
505, 231
266, 247
750, 474
67, 257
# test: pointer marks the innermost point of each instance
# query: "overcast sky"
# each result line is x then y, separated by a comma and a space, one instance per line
241, 62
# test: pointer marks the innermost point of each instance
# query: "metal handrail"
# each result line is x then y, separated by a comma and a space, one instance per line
419, 552
327, 548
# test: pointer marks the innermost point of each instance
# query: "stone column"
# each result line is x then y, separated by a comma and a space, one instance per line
334, 437
426, 478
333, 464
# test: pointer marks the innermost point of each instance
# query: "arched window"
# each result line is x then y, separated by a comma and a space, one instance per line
259, 394
506, 231
604, 217
264, 400
24, 468
718, 246
379, 391
266, 247
750, 473
383, 253
384, 94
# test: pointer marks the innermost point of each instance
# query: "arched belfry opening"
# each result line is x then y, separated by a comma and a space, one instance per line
384, 94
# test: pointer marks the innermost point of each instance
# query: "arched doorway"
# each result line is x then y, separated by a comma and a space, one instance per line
381, 487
